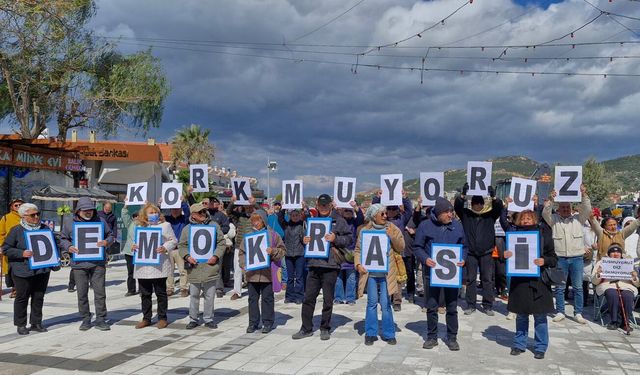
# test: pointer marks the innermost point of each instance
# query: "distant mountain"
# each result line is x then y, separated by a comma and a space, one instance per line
626, 170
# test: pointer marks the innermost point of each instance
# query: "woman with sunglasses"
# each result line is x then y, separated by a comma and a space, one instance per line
30, 284
8, 221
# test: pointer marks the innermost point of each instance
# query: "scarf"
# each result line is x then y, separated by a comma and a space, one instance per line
379, 226
28, 226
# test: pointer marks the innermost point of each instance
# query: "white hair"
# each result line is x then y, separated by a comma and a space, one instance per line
26, 207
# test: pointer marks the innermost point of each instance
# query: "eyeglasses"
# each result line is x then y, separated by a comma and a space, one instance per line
37, 214
16, 205
203, 212
383, 213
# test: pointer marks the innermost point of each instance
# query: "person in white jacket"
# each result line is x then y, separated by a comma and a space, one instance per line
153, 278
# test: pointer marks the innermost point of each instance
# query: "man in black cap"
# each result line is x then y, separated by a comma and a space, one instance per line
479, 229
323, 273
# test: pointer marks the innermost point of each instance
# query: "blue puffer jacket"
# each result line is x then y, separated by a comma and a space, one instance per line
432, 231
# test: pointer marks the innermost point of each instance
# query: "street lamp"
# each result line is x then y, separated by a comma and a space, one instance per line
272, 166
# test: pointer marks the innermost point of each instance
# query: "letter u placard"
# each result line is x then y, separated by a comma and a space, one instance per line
374, 250
43, 246
446, 273
255, 250
317, 228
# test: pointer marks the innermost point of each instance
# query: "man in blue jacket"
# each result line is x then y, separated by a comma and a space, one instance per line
440, 228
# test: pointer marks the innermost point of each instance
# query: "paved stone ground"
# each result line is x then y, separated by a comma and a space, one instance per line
484, 341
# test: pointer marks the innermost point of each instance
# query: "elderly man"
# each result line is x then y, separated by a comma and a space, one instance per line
569, 245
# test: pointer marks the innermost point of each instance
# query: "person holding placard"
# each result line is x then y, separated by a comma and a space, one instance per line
8, 221
179, 219
203, 272
323, 272
440, 228
153, 278
568, 241
31, 284
86, 236
478, 222
129, 221
608, 233
609, 289
530, 295
380, 285
259, 282
346, 288
294, 230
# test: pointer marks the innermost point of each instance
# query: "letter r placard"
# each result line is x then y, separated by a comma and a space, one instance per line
446, 273
317, 229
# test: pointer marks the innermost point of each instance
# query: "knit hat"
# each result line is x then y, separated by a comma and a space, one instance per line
441, 206
85, 203
372, 211
614, 248
477, 199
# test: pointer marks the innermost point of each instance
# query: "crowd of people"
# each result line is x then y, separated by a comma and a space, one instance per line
573, 241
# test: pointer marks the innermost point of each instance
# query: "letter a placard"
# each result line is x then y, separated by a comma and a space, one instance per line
202, 242
522, 192
148, 240
255, 250
567, 183
374, 250
525, 247
446, 273
291, 194
344, 191
43, 246
317, 228
85, 239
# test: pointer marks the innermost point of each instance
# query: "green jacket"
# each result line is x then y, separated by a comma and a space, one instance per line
202, 272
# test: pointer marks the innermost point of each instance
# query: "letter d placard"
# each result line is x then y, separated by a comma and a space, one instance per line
446, 273
43, 246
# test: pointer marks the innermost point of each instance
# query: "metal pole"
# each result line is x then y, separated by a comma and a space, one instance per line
268, 180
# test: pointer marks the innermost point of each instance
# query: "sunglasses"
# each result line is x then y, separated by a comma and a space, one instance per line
203, 212
37, 214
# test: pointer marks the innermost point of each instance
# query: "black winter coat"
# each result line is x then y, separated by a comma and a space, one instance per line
480, 229
344, 238
529, 295
13, 246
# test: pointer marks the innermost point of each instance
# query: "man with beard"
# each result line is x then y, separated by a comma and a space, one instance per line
87, 272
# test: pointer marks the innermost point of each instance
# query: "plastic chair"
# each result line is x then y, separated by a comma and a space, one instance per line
599, 306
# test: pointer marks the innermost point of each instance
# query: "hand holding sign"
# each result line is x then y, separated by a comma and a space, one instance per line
27, 254
567, 183
447, 271
318, 238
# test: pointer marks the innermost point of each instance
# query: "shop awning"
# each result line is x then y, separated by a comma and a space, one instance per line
139, 172
61, 193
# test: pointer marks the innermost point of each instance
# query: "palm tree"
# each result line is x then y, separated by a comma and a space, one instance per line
191, 146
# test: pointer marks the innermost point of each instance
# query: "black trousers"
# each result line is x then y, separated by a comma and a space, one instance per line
267, 306
8, 279
226, 265
159, 287
131, 282
27, 288
411, 275
451, 304
485, 263
72, 280
319, 278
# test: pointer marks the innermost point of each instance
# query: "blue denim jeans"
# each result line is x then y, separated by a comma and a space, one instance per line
346, 291
295, 280
541, 334
574, 267
377, 293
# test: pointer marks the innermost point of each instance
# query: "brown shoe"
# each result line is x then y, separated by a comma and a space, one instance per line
170, 292
235, 296
13, 294
184, 293
143, 323
162, 324
441, 310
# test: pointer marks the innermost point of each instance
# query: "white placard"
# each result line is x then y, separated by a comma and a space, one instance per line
479, 177
522, 192
525, 247
136, 194
498, 228
616, 269
171, 194
85, 239
255, 250
199, 177
374, 250
567, 183
291, 194
344, 191
431, 187
241, 187
148, 241
202, 242
317, 229
43, 245
391, 185
446, 273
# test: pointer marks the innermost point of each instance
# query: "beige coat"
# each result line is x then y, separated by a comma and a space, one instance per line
278, 251
602, 285
397, 246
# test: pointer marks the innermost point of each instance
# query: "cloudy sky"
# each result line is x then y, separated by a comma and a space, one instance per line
336, 118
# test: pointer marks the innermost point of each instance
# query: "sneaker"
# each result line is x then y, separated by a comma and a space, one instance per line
489, 312
37, 328
211, 325
580, 319
516, 351
184, 293
71, 290
369, 340
469, 311
129, 294
511, 316
301, 335
391, 341
397, 308
325, 334
441, 310
538, 355
453, 345
424, 310
143, 323
410, 299
23, 331
162, 323
86, 325
558, 318
266, 329
251, 329
430, 344
103, 326
191, 325
236, 296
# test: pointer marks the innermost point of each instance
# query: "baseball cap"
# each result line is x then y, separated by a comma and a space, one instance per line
197, 207
324, 199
